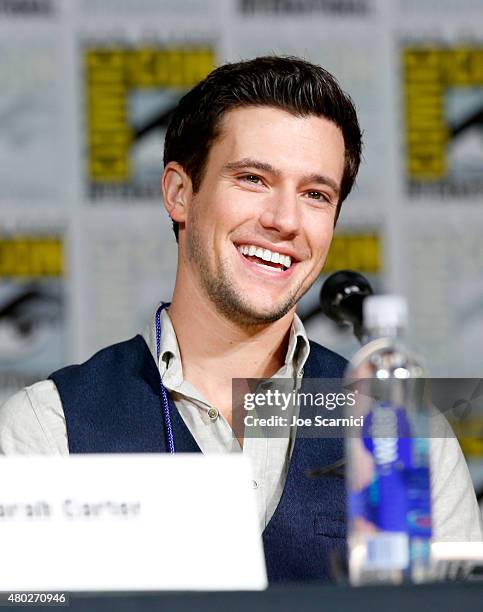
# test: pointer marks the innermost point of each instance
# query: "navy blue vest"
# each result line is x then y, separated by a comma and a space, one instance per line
112, 405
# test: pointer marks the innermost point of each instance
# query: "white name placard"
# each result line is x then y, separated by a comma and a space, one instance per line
129, 522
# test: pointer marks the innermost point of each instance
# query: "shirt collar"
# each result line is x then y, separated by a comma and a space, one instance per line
170, 358
169, 355
298, 347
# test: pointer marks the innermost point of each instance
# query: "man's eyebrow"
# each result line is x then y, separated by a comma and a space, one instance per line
322, 180
246, 163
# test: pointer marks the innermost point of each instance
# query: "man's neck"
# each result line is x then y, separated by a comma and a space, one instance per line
214, 350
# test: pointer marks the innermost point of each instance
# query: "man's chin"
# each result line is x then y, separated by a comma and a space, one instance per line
245, 306
253, 315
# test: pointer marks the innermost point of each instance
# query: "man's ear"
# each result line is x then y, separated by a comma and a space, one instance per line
177, 191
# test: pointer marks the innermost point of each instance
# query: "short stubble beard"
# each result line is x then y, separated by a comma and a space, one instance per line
223, 292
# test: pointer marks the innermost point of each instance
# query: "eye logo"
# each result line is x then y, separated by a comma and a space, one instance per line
27, 320
462, 408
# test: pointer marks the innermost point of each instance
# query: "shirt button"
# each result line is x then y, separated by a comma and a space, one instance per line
254, 484
213, 414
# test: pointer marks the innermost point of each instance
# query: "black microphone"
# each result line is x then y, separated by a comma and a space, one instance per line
342, 296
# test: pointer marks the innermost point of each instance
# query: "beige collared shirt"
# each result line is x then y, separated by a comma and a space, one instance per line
32, 422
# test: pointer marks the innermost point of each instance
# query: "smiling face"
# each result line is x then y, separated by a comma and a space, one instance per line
256, 234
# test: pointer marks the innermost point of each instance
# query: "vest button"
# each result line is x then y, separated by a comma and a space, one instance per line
213, 414
254, 484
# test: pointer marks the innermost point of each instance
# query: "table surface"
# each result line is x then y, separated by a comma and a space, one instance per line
437, 597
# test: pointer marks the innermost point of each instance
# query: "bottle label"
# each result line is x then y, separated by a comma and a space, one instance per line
388, 551
394, 508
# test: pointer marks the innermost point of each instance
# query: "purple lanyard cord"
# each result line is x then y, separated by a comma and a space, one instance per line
164, 395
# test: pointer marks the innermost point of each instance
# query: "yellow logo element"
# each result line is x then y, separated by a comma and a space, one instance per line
351, 251
31, 257
111, 74
428, 73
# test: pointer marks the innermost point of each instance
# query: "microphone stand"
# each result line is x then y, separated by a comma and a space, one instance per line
341, 299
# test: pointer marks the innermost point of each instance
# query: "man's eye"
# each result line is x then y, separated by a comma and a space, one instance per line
251, 178
316, 195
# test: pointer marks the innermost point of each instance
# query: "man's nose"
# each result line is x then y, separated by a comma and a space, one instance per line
282, 213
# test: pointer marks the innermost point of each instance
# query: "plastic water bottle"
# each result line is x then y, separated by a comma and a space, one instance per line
388, 473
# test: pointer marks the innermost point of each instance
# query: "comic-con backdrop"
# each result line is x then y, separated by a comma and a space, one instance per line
86, 250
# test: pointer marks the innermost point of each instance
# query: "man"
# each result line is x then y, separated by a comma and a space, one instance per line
258, 160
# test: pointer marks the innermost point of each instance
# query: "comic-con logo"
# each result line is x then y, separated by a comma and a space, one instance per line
443, 91
130, 95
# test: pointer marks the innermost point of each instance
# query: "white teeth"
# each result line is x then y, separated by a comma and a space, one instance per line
266, 255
